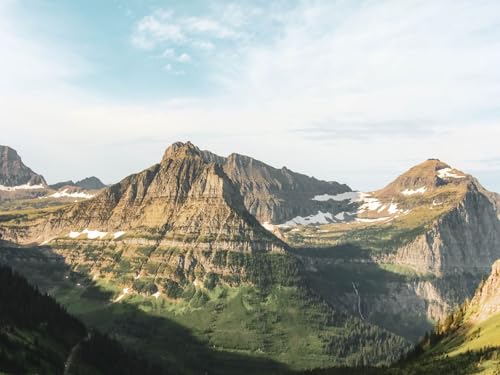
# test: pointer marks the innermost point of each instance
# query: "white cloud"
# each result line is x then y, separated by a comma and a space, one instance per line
184, 57
157, 28
349, 77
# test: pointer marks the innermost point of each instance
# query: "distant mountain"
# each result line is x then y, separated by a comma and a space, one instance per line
89, 183
15, 175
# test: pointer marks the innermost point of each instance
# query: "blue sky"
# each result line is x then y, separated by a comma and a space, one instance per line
355, 91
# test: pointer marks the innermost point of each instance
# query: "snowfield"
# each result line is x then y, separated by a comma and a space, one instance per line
94, 234
319, 218
448, 173
66, 194
21, 187
420, 190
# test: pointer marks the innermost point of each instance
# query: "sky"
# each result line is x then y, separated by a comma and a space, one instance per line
352, 91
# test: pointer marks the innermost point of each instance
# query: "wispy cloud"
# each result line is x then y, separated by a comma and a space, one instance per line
323, 87
164, 27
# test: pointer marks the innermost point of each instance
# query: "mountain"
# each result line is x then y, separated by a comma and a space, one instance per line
278, 195
181, 202
15, 175
273, 195
176, 245
89, 183
171, 261
415, 249
37, 335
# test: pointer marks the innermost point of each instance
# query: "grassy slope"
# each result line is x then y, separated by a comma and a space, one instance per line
283, 324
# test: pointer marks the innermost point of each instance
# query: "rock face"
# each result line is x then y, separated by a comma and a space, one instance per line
486, 301
277, 195
464, 238
13, 172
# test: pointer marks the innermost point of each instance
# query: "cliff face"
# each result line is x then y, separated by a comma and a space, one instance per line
486, 301
465, 239
13, 172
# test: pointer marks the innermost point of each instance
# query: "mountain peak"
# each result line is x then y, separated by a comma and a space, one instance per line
181, 150
14, 173
426, 176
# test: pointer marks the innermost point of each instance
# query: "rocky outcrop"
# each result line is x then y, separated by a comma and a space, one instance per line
465, 239
14, 173
486, 301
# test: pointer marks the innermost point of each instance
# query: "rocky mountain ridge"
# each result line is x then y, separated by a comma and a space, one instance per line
88, 183
15, 175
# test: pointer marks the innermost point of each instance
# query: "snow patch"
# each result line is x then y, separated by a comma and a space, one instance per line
370, 204
66, 194
91, 234
156, 295
353, 196
21, 187
448, 173
118, 234
340, 216
420, 190
319, 218
393, 209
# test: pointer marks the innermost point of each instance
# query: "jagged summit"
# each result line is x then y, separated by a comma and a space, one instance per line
181, 149
272, 195
15, 174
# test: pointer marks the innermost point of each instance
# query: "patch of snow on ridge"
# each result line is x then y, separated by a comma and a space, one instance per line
370, 204
353, 196
319, 218
21, 187
66, 194
91, 234
156, 295
118, 234
340, 216
393, 208
448, 173
420, 190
